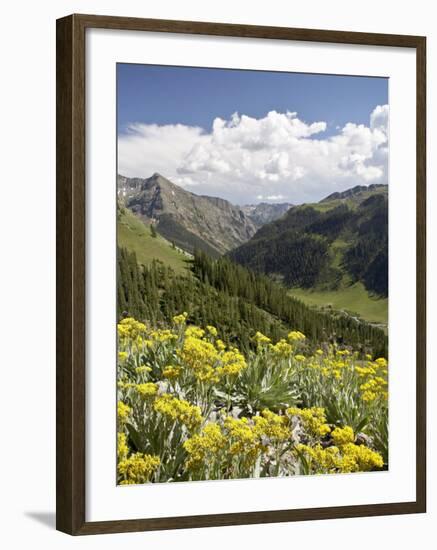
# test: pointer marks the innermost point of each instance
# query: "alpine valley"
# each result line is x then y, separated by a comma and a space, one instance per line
326, 261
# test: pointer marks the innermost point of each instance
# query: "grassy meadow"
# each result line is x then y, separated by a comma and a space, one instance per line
136, 236
354, 299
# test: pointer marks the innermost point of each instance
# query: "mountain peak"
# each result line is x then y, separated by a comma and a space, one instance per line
265, 212
157, 176
190, 221
159, 179
362, 191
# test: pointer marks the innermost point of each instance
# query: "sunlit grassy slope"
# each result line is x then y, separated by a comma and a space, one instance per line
134, 235
353, 299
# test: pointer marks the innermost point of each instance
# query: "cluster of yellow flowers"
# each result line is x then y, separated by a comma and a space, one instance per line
237, 437
212, 331
208, 362
171, 372
179, 404
342, 365
272, 426
342, 458
260, 339
178, 409
282, 348
137, 468
204, 447
232, 362
180, 319
131, 328
243, 439
122, 446
200, 356
313, 419
374, 377
123, 411
162, 335
342, 436
296, 336
148, 389
143, 369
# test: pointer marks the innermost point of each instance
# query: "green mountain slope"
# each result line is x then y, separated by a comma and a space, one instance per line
236, 301
135, 236
329, 245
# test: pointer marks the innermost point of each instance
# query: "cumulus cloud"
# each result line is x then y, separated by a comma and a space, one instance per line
244, 158
149, 148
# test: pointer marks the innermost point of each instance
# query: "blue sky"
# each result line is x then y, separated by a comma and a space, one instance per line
195, 96
296, 137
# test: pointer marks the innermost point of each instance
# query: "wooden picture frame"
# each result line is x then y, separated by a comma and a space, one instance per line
71, 254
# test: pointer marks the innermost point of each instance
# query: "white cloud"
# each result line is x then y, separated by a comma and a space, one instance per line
245, 158
149, 148
379, 118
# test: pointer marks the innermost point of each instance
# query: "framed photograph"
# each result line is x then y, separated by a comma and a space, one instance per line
240, 274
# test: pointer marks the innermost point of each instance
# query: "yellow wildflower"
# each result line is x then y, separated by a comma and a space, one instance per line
122, 448
201, 357
171, 372
359, 458
296, 335
163, 335
204, 447
142, 369
180, 319
212, 330
320, 460
282, 348
220, 345
194, 331
130, 328
260, 339
149, 389
313, 419
232, 363
369, 396
138, 468
123, 411
244, 440
178, 409
272, 425
341, 436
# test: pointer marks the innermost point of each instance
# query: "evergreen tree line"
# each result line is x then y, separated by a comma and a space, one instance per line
298, 246
298, 258
233, 299
367, 260
156, 294
236, 280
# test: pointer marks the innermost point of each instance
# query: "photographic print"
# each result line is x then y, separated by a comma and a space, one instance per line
252, 274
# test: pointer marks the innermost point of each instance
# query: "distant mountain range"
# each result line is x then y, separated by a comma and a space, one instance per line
192, 221
339, 240
265, 212
325, 245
